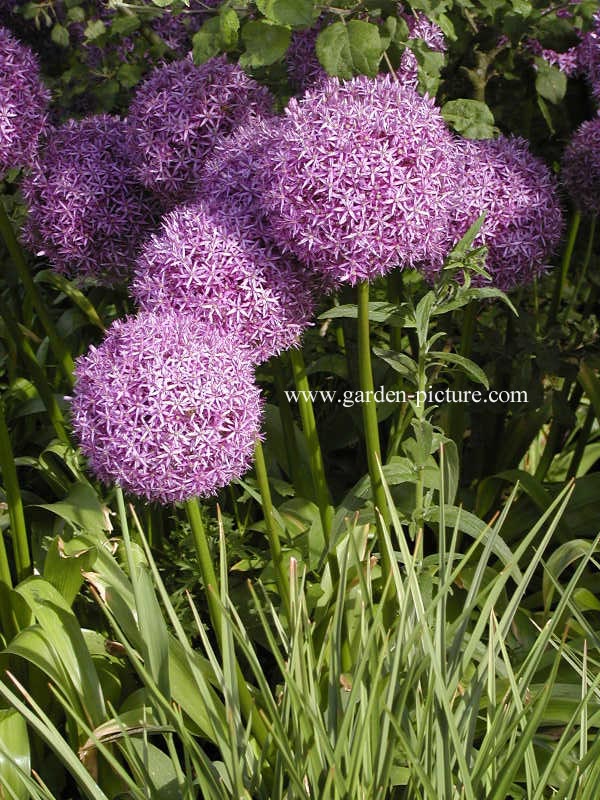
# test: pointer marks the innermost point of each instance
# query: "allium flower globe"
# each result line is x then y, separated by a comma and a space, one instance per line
581, 167
519, 196
87, 211
178, 115
23, 103
303, 67
166, 408
201, 264
360, 179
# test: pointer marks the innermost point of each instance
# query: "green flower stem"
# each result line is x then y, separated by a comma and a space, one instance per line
564, 268
37, 374
369, 409
56, 343
397, 428
586, 263
211, 586
287, 425
269, 515
457, 415
309, 426
10, 480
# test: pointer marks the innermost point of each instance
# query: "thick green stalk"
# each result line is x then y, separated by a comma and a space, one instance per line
37, 374
309, 426
211, 586
262, 478
564, 268
56, 343
457, 415
369, 410
288, 429
397, 428
18, 528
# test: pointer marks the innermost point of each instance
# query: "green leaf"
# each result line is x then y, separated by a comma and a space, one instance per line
471, 118
129, 75
562, 558
229, 28
81, 508
350, 49
14, 754
153, 629
124, 25
94, 29
265, 43
207, 42
466, 365
550, 82
60, 35
379, 311
401, 362
295, 13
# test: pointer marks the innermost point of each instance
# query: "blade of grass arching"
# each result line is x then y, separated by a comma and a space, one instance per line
511, 765
492, 774
18, 527
554, 513
337, 641
43, 726
57, 344
15, 760
443, 692
568, 742
591, 769
34, 786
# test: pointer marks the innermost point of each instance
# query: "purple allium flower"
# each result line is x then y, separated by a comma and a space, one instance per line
87, 212
23, 103
588, 52
581, 167
519, 195
303, 67
166, 408
202, 264
180, 112
360, 179
421, 27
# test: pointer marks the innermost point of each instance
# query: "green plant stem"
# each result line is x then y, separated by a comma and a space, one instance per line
586, 262
309, 426
37, 374
56, 343
262, 478
457, 415
582, 441
18, 528
211, 586
564, 268
371, 426
397, 428
288, 429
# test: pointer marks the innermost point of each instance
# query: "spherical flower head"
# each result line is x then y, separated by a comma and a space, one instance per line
588, 55
180, 112
166, 408
360, 179
303, 67
23, 103
581, 167
421, 27
87, 211
201, 264
519, 195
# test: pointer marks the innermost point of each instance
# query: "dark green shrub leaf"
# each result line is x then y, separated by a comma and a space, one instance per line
265, 43
60, 35
550, 82
207, 42
94, 29
297, 13
229, 28
471, 118
350, 49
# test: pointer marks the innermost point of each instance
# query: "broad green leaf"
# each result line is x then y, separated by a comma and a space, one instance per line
400, 362
124, 25
265, 43
63, 571
347, 49
229, 28
295, 13
379, 311
207, 42
65, 640
14, 754
469, 367
471, 118
563, 557
81, 508
154, 632
94, 29
60, 35
550, 82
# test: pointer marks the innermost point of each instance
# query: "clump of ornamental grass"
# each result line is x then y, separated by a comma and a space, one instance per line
519, 196
23, 103
359, 179
204, 264
180, 112
167, 408
87, 210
